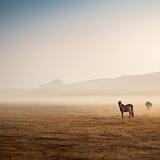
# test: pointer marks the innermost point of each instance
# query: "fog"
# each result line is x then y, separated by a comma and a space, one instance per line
83, 100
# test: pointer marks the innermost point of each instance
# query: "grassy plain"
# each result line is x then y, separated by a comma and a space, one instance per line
32, 131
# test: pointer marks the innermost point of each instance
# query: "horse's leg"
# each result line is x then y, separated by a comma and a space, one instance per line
132, 113
122, 114
129, 114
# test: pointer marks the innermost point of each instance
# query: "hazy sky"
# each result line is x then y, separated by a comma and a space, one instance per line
75, 40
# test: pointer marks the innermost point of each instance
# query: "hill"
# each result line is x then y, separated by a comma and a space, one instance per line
129, 84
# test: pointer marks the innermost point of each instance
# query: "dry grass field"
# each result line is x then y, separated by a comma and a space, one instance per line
77, 132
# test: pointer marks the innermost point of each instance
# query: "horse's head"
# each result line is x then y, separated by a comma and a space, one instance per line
119, 103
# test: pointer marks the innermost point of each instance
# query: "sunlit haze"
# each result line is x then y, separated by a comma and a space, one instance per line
77, 40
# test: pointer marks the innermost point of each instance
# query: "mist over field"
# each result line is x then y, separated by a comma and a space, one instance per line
79, 80
135, 89
83, 100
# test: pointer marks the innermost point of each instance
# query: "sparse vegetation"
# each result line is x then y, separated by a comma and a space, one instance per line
48, 132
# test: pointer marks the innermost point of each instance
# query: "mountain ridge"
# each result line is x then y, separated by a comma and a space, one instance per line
103, 79
148, 83
122, 85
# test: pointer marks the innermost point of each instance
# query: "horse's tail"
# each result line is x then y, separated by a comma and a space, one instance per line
132, 109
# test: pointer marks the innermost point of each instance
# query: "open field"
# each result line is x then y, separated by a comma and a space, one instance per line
77, 132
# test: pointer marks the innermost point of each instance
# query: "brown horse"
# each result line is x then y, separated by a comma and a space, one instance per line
126, 108
148, 105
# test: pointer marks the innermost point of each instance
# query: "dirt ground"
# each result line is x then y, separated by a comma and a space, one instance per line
77, 132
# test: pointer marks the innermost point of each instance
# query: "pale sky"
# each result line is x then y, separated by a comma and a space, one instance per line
76, 40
